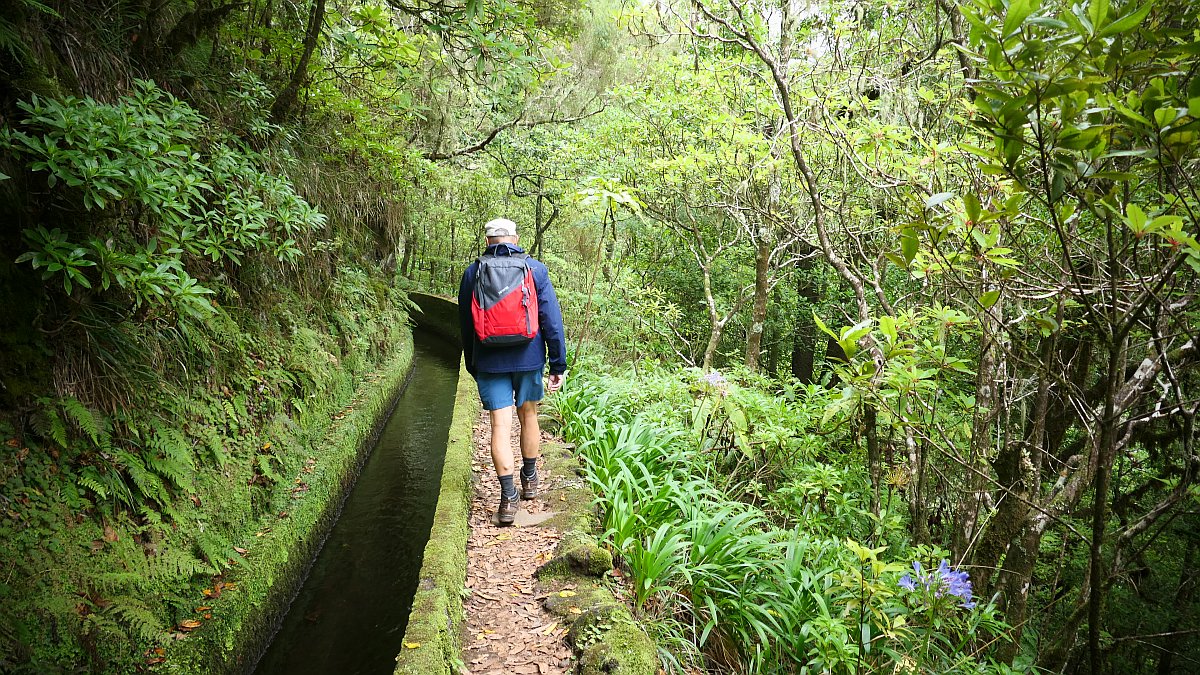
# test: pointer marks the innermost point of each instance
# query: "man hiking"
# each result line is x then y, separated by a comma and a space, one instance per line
511, 323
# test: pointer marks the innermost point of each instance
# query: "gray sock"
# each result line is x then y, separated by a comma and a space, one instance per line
507, 489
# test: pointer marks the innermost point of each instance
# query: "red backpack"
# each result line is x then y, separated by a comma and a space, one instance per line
504, 302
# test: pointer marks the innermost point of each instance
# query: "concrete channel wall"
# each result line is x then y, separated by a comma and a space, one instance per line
433, 640
438, 315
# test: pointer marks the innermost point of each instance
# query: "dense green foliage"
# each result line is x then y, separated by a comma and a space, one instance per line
950, 250
763, 567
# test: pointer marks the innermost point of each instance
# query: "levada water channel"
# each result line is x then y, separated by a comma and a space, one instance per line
349, 616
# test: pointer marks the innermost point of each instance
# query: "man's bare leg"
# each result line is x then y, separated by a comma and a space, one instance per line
531, 448
531, 434
502, 456
503, 460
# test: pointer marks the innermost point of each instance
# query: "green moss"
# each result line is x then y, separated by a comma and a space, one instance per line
577, 553
624, 650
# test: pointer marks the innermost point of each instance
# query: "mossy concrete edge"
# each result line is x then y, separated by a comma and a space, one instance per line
246, 618
433, 639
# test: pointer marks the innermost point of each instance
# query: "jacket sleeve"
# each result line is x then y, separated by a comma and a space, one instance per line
466, 325
551, 322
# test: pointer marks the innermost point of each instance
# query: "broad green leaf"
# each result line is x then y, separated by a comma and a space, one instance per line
908, 245
1128, 21
989, 298
973, 207
1135, 217
1018, 11
823, 327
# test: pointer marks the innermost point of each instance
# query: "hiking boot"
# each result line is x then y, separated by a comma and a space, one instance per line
507, 512
529, 486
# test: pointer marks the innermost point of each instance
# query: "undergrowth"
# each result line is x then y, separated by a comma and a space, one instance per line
114, 523
748, 537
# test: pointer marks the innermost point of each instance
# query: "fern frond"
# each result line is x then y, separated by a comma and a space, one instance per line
177, 564
84, 418
57, 429
91, 480
231, 416
148, 484
136, 617
217, 550
264, 467
170, 456
215, 442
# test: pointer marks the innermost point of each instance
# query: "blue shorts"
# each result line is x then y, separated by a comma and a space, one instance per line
498, 390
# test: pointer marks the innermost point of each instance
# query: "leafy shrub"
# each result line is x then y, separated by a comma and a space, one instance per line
164, 195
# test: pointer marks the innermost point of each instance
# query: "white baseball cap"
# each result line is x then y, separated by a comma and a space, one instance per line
500, 227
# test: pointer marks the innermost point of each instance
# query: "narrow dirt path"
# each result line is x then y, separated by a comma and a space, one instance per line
508, 630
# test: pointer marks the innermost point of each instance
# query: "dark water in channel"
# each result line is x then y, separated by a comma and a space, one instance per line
350, 615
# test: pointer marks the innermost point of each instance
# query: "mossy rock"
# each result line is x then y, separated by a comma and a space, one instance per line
584, 595
608, 642
577, 553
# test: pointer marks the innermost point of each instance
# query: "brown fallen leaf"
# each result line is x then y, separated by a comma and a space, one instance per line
189, 624
240, 550
203, 608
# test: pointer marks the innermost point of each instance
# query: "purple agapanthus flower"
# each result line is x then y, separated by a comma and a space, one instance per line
714, 378
945, 580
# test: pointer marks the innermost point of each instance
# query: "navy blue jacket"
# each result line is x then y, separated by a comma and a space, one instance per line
530, 356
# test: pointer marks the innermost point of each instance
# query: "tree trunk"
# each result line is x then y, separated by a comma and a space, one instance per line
987, 404
1104, 456
804, 339
758, 317
1189, 576
714, 338
281, 110
536, 249
834, 354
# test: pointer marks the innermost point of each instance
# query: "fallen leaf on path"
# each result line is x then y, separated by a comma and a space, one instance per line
411, 645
